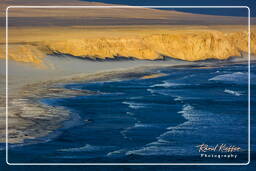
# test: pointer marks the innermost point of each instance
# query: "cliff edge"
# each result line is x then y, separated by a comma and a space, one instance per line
184, 45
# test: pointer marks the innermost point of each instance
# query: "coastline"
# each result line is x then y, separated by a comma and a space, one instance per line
25, 108
37, 120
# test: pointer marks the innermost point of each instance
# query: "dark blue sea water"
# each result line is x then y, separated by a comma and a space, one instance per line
217, 11
158, 120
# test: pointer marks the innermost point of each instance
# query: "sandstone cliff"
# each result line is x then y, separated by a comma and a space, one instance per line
184, 45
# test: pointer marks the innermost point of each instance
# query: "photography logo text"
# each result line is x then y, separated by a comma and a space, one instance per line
218, 151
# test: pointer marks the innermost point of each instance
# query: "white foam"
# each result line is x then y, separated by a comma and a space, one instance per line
86, 148
159, 142
140, 125
130, 113
236, 93
167, 84
163, 146
136, 125
151, 91
178, 98
134, 105
116, 153
160, 92
137, 97
123, 133
152, 150
233, 77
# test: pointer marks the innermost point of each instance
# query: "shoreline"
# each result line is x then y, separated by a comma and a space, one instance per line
25, 108
38, 120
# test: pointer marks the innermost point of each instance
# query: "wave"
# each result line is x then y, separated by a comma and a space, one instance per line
130, 113
134, 105
136, 97
151, 151
162, 146
86, 148
236, 93
160, 142
163, 92
167, 93
236, 77
151, 91
167, 84
117, 153
189, 113
178, 98
186, 109
136, 125
140, 125
73, 121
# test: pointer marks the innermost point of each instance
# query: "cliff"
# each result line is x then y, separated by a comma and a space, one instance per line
141, 33
184, 45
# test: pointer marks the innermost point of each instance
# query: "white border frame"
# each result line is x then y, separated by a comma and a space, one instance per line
249, 87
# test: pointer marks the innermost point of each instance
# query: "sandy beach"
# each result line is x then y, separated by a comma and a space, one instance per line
28, 84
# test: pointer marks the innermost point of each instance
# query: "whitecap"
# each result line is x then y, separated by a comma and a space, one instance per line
140, 125
123, 133
136, 97
232, 92
152, 150
159, 142
166, 84
134, 105
237, 77
165, 143
189, 113
151, 91
116, 153
186, 109
136, 125
160, 92
130, 113
86, 148
178, 98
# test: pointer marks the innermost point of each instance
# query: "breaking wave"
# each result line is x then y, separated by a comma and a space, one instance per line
236, 77
86, 148
134, 105
162, 146
167, 84
236, 93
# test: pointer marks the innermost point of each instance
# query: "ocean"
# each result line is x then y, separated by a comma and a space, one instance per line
217, 11
151, 120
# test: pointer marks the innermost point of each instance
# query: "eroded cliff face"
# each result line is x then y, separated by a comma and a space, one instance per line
189, 46
26, 53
